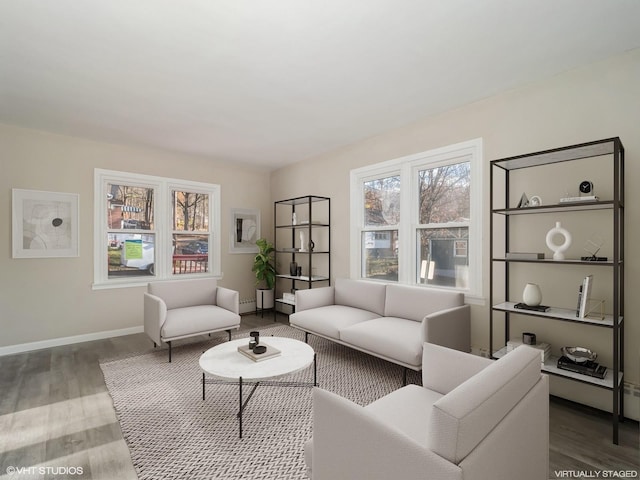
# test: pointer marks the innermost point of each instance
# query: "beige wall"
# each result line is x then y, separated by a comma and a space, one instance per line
43, 299
590, 103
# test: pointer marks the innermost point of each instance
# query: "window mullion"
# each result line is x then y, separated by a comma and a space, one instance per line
406, 251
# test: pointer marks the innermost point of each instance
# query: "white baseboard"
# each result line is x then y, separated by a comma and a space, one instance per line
56, 342
247, 305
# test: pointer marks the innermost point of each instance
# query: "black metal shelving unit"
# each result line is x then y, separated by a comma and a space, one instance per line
610, 149
314, 219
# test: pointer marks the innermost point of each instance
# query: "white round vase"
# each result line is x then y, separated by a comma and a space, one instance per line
532, 295
558, 250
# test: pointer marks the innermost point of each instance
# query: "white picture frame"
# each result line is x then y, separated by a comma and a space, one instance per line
44, 224
244, 230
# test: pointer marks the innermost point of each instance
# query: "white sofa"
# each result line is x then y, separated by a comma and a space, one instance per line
473, 419
184, 308
389, 321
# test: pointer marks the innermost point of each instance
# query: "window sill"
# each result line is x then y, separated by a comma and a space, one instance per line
145, 282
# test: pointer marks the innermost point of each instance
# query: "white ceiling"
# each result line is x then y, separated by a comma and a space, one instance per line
271, 82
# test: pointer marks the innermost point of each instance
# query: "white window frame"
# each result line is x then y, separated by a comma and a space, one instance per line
408, 167
163, 217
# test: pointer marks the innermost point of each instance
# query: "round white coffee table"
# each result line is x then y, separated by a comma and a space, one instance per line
224, 362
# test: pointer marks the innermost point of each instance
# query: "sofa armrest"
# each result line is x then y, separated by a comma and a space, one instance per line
449, 328
314, 298
155, 313
349, 442
443, 369
228, 299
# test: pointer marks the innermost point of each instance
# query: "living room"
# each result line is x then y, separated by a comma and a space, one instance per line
48, 302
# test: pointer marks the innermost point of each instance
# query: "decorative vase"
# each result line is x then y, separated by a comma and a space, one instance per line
302, 243
532, 295
558, 250
293, 269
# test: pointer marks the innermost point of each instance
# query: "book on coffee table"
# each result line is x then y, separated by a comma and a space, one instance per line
259, 357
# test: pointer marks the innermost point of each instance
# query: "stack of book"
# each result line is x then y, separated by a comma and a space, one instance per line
259, 357
524, 256
584, 296
592, 369
545, 348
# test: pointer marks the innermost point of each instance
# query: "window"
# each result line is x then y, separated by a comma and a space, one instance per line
380, 236
418, 219
153, 228
190, 216
443, 223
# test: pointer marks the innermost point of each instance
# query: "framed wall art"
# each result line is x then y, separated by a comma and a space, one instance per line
44, 224
244, 230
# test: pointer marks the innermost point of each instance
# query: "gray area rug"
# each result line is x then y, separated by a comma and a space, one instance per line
173, 434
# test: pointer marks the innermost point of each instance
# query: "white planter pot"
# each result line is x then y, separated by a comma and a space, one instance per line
264, 298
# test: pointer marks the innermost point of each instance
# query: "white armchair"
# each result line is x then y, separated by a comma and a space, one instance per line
184, 308
473, 419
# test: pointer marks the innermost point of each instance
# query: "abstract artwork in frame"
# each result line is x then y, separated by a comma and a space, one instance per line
44, 224
244, 230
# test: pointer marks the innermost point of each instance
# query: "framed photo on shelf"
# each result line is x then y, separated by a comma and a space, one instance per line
44, 224
244, 230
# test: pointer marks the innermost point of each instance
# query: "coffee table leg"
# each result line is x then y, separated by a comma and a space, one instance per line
203, 386
240, 405
315, 371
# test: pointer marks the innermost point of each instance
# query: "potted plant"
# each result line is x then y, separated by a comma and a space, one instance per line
265, 274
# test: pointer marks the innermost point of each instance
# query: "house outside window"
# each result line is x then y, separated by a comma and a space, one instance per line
153, 228
417, 219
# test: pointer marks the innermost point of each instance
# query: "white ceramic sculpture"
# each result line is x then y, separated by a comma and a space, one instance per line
558, 250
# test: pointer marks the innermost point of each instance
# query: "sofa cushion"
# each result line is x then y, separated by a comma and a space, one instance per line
330, 320
360, 294
462, 418
188, 321
407, 409
185, 293
414, 303
394, 338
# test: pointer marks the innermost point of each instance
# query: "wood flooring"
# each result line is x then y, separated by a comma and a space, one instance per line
57, 418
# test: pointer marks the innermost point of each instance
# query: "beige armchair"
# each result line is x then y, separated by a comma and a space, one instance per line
184, 308
473, 419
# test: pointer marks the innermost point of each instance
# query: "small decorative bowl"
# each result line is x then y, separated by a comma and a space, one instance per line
579, 354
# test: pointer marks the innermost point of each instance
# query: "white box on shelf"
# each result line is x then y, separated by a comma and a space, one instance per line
545, 348
289, 297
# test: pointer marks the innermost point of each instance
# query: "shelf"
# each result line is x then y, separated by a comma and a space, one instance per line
303, 225
608, 263
286, 302
301, 251
564, 314
564, 154
302, 200
305, 278
606, 154
551, 366
558, 207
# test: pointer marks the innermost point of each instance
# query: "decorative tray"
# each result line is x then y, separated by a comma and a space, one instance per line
579, 354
